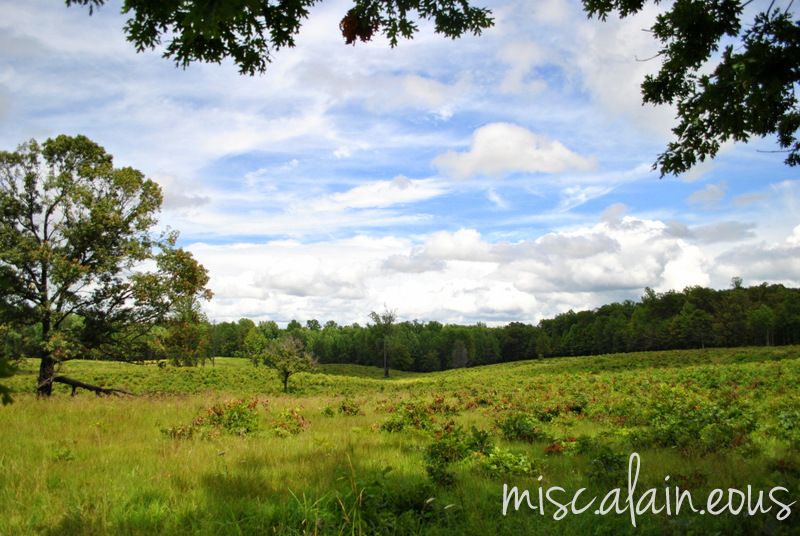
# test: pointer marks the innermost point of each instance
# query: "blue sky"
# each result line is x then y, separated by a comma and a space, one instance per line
497, 178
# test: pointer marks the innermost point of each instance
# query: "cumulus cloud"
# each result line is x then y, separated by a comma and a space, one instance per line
413, 264
464, 244
778, 263
502, 148
794, 238
461, 276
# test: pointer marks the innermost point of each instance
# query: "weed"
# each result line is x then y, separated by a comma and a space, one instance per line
685, 419
289, 422
235, 417
410, 414
350, 407
523, 427
607, 466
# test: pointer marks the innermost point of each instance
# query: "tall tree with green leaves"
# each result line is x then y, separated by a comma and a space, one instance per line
78, 257
382, 327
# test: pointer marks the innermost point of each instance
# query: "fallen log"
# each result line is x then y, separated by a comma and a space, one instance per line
76, 384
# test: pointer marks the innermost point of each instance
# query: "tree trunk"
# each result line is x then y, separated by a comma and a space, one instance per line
96, 389
385, 361
44, 385
286, 383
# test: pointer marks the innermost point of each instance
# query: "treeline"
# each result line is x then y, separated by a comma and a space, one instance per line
694, 318
697, 317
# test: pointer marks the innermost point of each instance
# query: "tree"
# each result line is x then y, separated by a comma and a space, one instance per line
185, 339
383, 329
692, 326
751, 91
287, 356
248, 31
255, 343
75, 242
762, 322
6, 369
460, 356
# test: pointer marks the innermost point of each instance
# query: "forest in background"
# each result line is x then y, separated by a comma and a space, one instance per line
696, 317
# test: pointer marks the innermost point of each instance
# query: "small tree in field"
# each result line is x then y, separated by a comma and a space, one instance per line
287, 356
78, 260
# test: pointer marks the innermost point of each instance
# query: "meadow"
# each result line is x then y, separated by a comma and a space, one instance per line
222, 450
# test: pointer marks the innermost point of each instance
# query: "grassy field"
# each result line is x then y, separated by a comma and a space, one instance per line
220, 450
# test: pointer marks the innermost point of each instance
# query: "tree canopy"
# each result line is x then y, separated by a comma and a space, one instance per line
249, 31
81, 271
750, 93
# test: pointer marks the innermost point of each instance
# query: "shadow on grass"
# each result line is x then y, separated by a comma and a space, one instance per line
356, 500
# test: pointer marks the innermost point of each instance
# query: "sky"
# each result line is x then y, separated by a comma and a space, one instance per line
499, 178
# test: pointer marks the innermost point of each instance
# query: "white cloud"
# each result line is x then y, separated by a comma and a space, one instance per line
710, 195
464, 244
613, 213
749, 199
308, 151
265, 209
496, 199
380, 194
794, 238
461, 277
779, 263
724, 231
501, 148
521, 58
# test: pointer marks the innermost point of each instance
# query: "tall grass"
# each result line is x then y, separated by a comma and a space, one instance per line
92, 465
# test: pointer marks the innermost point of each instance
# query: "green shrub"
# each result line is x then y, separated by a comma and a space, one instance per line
450, 445
349, 407
787, 425
607, 466
501, 462
686, 420
479, 441
411, 414
235, 417
383, 506
289, 422
548, 414
523, 427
